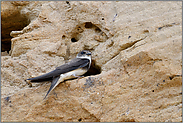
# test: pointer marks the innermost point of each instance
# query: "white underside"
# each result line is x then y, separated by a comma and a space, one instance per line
72, 74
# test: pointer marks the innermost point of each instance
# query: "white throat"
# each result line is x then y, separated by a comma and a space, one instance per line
86, 57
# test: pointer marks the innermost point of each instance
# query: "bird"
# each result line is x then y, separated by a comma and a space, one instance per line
73, 69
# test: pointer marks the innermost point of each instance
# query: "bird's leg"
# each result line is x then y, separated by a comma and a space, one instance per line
78, 77
55, 93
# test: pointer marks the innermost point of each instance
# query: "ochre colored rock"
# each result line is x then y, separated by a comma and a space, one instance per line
136, 72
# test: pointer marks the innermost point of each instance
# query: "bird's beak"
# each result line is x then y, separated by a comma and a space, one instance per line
88, 54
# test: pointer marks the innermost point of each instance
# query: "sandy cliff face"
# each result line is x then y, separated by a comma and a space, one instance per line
136, 72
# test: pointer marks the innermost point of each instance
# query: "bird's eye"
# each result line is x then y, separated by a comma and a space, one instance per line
82, 52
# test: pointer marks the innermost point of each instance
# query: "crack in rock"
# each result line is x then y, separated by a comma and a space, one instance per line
126, 46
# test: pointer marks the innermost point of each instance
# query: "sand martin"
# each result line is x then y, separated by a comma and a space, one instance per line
73, 69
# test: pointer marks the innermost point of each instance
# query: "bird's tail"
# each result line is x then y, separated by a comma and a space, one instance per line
54, 83
43, 78
39, 79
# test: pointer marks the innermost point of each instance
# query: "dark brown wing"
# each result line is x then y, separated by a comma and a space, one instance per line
72, 65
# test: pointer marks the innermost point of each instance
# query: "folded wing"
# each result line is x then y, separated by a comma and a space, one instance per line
72, 65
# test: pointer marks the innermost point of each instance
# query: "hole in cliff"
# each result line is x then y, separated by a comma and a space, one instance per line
79, 30
97, 29
94, 69
76, 37
11, 20
73, 40
80, 119
88, 25
63, 37
146, 31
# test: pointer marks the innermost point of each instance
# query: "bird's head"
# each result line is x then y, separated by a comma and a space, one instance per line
84, 54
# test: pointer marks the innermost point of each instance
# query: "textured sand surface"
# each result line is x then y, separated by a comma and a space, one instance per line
136, 69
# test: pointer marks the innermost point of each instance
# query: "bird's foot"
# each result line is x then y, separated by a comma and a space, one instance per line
55, 94
78, 77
